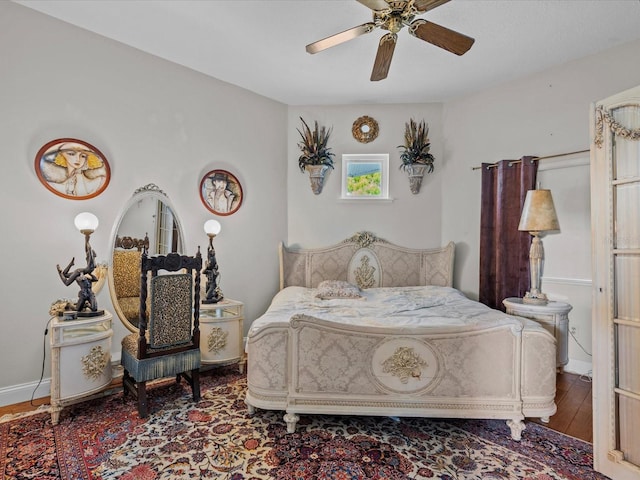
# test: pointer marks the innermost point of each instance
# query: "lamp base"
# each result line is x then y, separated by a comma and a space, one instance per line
534, 298
208, 301
89, 313
215, 298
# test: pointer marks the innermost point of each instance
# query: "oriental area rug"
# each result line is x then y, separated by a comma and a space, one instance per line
217, 439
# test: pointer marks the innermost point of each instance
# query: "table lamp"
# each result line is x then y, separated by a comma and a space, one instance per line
538, 216
87, 305
213, 293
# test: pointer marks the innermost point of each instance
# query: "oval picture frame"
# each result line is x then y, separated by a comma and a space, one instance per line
365, 129
221, 192
72, 168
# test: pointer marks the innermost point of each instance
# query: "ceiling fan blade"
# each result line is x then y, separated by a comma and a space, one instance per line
440, 36
383, 57
426, 5
376, 5
341, 37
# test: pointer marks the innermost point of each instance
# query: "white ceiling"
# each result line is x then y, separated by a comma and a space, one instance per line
260, 44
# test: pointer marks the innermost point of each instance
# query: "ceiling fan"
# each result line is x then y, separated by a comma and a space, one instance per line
394, 15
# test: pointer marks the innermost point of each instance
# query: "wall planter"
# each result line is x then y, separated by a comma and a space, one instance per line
316, 157
416, 173
415, 156
317, 175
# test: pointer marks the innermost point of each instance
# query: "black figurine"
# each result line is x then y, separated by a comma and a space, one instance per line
213, 293
87, 304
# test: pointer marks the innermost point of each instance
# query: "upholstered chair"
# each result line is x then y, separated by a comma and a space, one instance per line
126, 280
126, 275
168, 339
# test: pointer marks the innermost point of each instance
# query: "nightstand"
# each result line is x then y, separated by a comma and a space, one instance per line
221, 333
80, 359
554, 317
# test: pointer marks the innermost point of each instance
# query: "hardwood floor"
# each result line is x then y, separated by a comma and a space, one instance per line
573, 398
574, 415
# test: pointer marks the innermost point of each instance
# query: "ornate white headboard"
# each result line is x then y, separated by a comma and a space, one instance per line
367, 261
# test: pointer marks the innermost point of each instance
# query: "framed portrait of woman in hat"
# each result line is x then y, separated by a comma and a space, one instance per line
221, 192
72, 168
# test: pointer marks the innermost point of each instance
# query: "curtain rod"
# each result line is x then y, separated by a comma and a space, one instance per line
514, 162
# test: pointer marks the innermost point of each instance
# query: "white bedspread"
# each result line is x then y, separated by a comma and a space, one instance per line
399, 306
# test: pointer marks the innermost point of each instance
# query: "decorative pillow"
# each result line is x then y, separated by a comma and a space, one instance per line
330, 289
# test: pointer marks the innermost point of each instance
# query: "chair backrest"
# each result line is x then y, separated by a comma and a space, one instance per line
126, 273
171, 307
126, 265
174, 302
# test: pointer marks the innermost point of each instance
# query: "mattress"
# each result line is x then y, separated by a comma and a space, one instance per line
422, 306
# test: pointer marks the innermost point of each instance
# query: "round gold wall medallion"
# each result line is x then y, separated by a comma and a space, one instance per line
365, 129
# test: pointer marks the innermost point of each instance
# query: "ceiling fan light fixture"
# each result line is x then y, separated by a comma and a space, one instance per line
394, 24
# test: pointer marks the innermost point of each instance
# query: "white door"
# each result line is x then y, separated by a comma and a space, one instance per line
615, 207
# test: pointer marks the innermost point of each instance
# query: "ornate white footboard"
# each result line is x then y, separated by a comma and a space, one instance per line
314, 366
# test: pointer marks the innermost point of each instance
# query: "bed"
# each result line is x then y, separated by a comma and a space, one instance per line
391, 337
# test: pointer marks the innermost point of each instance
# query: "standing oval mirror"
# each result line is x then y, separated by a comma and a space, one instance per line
147, 220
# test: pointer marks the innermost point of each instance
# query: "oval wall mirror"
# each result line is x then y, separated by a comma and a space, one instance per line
147, 220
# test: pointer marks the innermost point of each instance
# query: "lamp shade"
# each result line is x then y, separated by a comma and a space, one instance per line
212, 227
86, 222
538, 213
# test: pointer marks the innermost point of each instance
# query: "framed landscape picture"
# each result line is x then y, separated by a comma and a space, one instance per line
365, 176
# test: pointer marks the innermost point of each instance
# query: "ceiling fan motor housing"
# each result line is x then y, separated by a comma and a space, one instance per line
395, 17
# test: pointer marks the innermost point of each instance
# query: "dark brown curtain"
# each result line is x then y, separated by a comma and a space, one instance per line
504, 251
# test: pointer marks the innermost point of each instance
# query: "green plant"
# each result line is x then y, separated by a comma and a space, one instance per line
416, 146
314, 146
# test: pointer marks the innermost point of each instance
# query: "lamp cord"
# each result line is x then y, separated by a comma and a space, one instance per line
44, 354
579, 344
586, 377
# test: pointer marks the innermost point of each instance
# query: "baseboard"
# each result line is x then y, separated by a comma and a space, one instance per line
578, 367
25, 391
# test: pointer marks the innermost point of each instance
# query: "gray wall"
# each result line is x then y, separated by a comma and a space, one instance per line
543, 114
161, 123
155, 122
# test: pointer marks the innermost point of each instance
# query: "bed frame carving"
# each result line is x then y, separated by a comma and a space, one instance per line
367, 261
309, 365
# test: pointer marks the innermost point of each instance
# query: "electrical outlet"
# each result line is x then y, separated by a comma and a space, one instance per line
573, 330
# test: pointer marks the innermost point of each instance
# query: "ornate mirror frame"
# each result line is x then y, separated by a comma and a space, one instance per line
149, 191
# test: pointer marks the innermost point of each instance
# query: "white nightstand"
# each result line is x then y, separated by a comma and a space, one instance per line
554, 316
221, 333
80, 359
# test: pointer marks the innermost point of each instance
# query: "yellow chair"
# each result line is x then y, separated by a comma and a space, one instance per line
126, 282
126, 275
